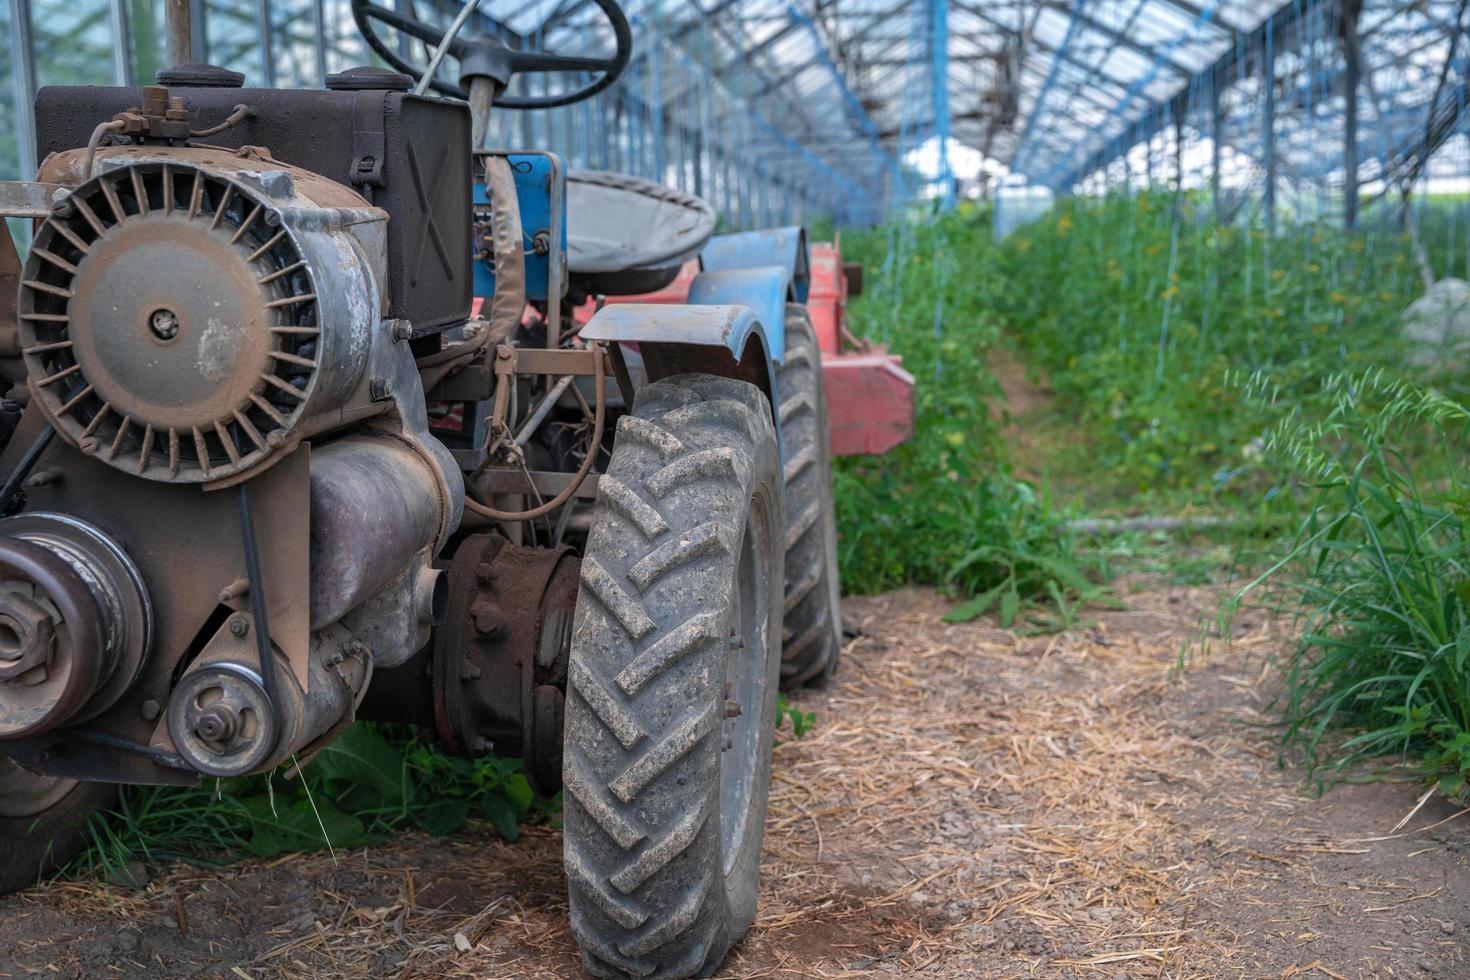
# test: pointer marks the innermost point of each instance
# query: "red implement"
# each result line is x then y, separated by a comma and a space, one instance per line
870, 397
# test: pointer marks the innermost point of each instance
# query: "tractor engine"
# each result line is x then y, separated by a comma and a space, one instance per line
232, 501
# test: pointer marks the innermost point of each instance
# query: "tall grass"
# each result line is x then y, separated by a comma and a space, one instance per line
1378, 575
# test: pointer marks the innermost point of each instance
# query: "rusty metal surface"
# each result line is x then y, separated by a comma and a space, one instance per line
408, 155
870, 403
10, 366
29, 198
500, 659
112, 300
186, 544
498, 480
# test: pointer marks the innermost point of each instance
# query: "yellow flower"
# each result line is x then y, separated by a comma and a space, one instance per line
1063, 224
955, 439
1387, 297
1313, 267
1319, 328
1336, 298
1169, 293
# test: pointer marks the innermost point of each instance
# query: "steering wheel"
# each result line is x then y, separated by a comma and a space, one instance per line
490, 57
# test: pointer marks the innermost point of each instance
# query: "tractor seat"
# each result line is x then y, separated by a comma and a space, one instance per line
627, 236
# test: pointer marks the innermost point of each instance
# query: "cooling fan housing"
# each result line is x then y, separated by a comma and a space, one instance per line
184, 315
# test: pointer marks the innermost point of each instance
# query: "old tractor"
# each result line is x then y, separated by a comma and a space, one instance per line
301, 431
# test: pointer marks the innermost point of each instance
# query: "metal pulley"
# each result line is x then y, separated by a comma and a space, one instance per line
75, 623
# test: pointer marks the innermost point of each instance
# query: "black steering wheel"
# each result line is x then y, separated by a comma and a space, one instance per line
490, 57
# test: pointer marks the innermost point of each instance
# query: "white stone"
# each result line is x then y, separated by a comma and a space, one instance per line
1438, 323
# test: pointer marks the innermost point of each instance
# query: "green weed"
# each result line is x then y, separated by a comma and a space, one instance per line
1378, 575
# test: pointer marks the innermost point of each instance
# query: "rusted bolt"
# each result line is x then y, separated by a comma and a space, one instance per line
732, 709
88, 445
150, 710
164, 325
216, 724
402, 330
485, 573
238, 626
26, 637
469, 671
378, 390
63, 208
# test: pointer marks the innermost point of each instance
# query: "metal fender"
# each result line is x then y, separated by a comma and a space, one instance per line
784, 248
761, 289
727, 340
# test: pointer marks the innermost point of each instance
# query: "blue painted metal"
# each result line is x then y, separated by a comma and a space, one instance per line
763, 290
727, 340
939, 79
541, 192
783, 247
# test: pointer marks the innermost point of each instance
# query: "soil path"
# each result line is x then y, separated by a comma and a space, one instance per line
970, 804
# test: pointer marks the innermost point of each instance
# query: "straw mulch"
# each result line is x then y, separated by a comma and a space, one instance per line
971, 803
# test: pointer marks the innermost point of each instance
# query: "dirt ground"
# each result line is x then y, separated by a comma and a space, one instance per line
971, 804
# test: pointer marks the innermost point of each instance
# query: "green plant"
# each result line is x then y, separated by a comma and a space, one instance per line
1379, 577
1138, 307
368, 784
945, 508
801, 721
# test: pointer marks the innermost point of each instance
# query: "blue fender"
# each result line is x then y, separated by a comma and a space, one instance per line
728, 340
784, 248
759, 269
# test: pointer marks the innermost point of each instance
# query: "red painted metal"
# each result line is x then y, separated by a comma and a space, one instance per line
870, 397
870, 402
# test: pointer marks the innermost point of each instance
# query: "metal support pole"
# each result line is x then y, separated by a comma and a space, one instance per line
122, 47
1268, 147
199, 29
319, 48
1178, 147
23, 71
1215, 150
939, 80
180, 32
1352, 55
267, 53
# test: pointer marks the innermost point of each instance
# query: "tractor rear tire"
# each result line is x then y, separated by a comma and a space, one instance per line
675, 663
813, 629
43, 822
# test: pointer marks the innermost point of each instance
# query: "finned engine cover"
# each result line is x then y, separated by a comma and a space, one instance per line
185, 313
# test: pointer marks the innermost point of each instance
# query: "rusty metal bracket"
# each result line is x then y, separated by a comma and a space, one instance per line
29, 198
537, 360
547, 484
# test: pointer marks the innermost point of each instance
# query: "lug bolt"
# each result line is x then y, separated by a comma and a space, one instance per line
150, 710
239, 627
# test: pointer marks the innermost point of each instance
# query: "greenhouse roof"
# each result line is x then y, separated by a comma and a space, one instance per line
846, 105
1051, 90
